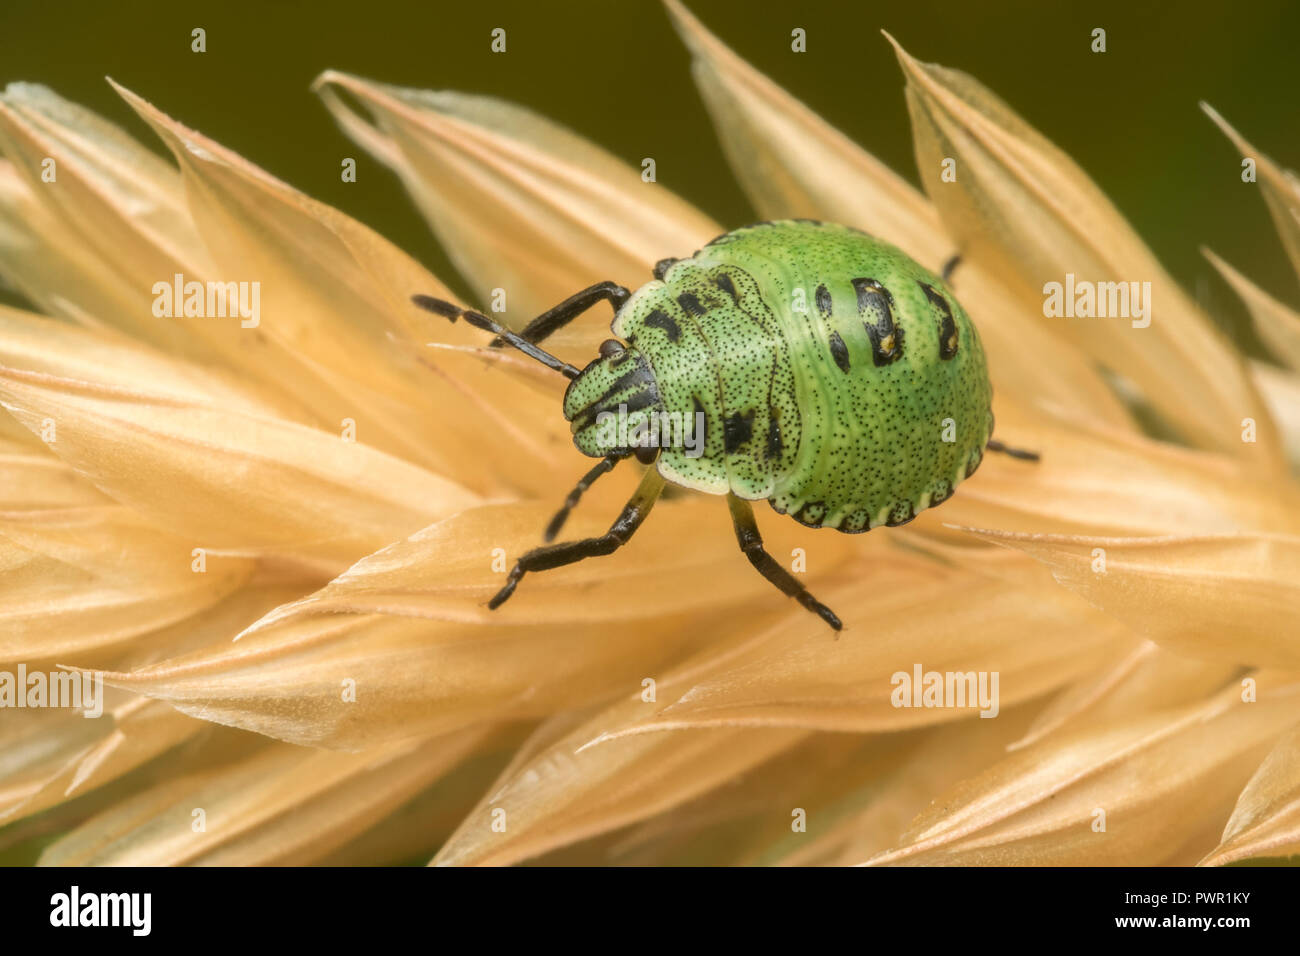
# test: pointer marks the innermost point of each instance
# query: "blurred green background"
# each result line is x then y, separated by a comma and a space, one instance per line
616, 72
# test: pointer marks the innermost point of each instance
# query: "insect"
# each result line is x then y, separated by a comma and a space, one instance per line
798, 361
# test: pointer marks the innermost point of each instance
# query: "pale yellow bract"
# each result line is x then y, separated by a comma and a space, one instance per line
332, 564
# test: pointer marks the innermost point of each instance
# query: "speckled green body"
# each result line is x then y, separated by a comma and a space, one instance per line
838, 378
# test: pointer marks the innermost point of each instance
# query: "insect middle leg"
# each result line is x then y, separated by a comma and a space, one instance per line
751, 542
557, 555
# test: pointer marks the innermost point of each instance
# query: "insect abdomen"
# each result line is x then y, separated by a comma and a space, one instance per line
852, 387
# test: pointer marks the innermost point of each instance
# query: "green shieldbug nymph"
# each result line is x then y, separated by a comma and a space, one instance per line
832, 375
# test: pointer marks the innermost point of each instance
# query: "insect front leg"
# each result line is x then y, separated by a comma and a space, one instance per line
557, 555
561, 315
751, 542
605, 467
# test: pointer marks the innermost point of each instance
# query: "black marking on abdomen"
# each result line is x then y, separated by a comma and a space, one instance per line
823, 299
773, 436
696, 419
947, 327
876, 307
811, 514
723, 282
900, 514
690, 303
662, 266
736, 430
840, 352
659, 319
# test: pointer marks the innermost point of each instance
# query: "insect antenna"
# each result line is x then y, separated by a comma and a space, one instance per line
480, 321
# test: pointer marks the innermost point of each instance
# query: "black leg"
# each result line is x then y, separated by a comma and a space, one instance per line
451, 311
995, 445
556, 555
949, 267
605, 467
568, 310
742, 516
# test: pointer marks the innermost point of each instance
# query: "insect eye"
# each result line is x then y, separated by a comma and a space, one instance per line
610, 347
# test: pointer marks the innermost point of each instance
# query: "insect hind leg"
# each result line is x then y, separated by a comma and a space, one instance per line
751, 542
557, 555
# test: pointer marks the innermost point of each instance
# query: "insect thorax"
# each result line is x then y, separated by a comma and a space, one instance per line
833, 374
